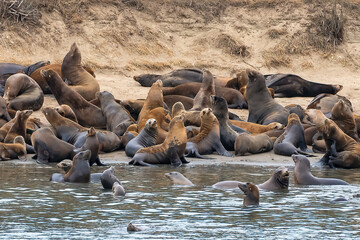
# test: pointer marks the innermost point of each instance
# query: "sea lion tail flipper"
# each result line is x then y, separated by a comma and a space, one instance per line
175, 161
305, 153
34, 157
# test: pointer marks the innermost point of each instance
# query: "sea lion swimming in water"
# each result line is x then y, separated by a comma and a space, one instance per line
251, 191
178, 179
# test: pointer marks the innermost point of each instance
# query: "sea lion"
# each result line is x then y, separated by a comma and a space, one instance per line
227, 133
341, 150
278, 181
80, 170
92, 143
290, 85
243, 92
292, 138
117, 118
81, 107
303, 176
255, 128
66, 111
48, 148
343, 116
325, 102
171, 150
263, 109
81, 81
108, 178
226, 185
162, 118
251, 191
4, 114
295, 108
23, 93
192, 131
19, 126
14, 150
134, 106
65, 165
13, 68
118, 189
170, 100
246, 143
178, 179
146, 138
202, 98
132, 228
208, 139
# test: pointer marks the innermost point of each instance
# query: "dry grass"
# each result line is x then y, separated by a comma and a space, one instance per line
276, 57
20, 11
147, 65
232, 46
274, 33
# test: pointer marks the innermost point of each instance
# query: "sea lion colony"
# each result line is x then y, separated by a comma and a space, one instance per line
88, 121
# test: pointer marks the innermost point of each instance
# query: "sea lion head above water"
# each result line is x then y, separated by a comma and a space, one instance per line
251, 191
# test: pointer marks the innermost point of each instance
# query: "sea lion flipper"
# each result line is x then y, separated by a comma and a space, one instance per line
238, 129
34, 157
183, 160
222, 151
99, 163
29, 149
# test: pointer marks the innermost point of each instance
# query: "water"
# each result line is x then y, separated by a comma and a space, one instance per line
32, 207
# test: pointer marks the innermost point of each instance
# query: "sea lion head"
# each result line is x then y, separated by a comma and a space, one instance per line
301, 162
172, 175
242, 78
32, 68
219, 106
83, 156
251, 192
47, 74
50, 113
158, 83
64, 110
177, 122
104, 96
21, 152
316, 116
91, 132
293, 119
151, 124
177, 109
74, 54
341, 109
256, 84
275, 125
65, 165
282, 177
330, 128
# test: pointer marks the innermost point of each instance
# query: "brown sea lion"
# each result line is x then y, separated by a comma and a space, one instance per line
278, 181
303, 176
243, 92
81, 81
4, 114
14, 150
192, 131
290, 85
318, 118
133, 106
170, 151
246, 143
357, 121
191, 118
108, 178
65, 165
292, 138
341, 150
255, 128
23, 93
251, 191
118, 189
66, 111
132, 228
325, 102
178, 179
343, 116
208, 139
92, 143
19, 126
202, 99
170, 100
263, 109
146, 138
48, 148
81, 107
117, 118
240, 81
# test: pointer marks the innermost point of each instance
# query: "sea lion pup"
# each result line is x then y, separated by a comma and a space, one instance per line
132, 228
246, 143
202, 98
19, 127
325, 102
341, 150
117, 118
278, 181
81, 80
290, 85
81, 107
292, 138
146, 138
178, 179
22, 92
66, 111
208, 139
14, 150
108, 178
251, 191
48, 148
303, 176
255, 128
174, 145
343, 116
295, 108
118, 189
263, 109
227, 133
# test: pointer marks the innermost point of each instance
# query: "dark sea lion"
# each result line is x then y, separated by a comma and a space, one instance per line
80, 170
117, 118
255, 128
134, 106
162, 118
227, 133
251, 191
118, 189
178, 179
202, 99
66, 111
278, 181
208, 139
164, 153
81, 107
325, 102
146, 138
170, 100
108, 178
263, 109
246, 143
13, 68
343, 116
303, 176
292, 139
48, 148
15, 150
81, 80
290, 85
132, 228
23, 93
295, 108
19, 126
92, 143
